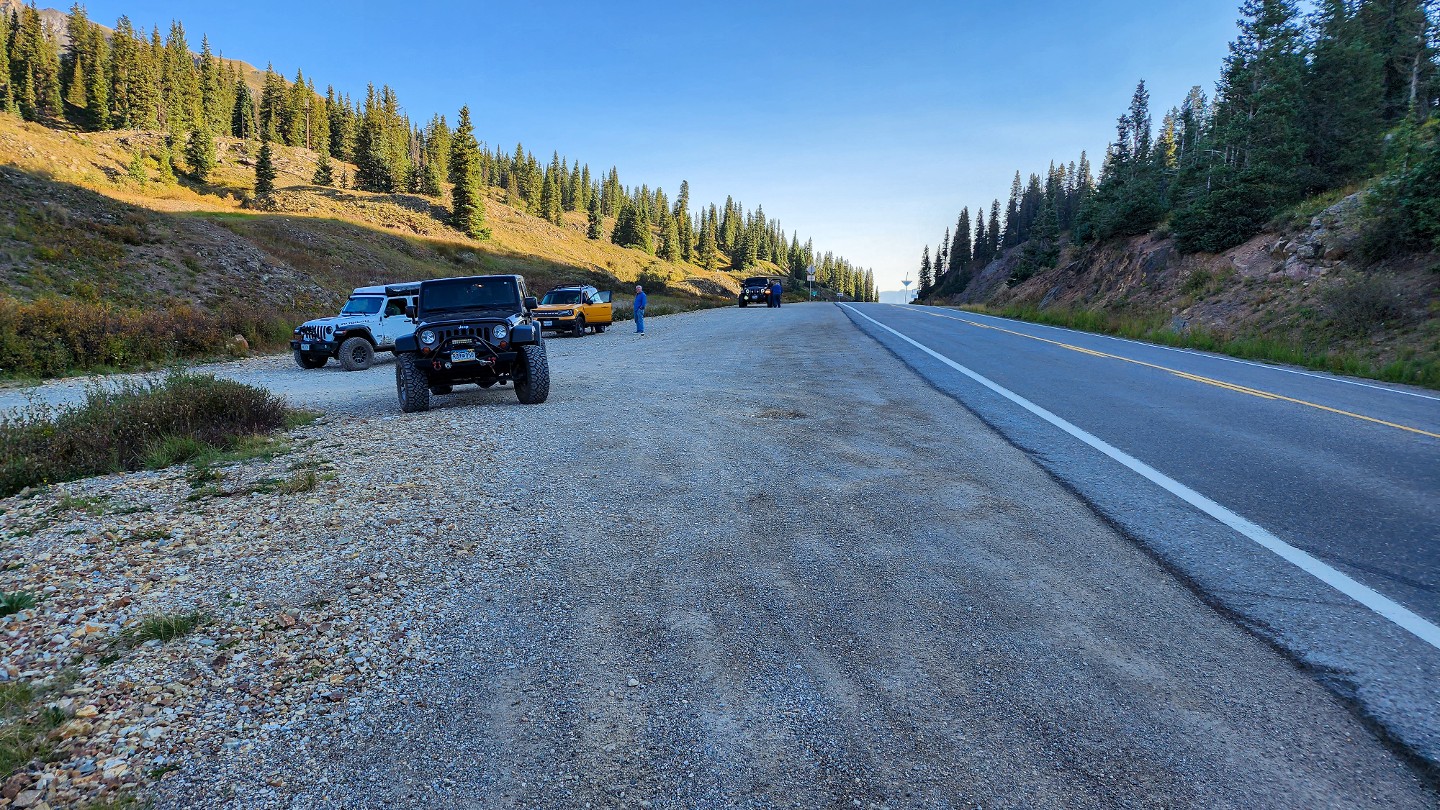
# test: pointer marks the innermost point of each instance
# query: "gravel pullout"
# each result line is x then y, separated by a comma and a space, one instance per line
755, 561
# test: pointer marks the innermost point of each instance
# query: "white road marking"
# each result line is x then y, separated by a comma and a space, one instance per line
1194, 353
1370, 598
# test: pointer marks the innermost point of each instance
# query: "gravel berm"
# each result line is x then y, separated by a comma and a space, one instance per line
747, 560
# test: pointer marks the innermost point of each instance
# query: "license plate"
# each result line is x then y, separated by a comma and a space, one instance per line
549, 323
304, 347
460, 355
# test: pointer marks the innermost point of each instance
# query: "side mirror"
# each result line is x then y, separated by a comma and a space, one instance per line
410, 312
531, 302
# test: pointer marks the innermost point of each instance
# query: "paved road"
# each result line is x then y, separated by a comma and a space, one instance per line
1345, 471
832, 586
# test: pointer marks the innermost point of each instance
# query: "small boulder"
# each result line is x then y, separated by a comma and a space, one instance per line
238, 346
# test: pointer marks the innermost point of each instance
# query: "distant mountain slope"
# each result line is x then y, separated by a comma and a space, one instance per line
86, 247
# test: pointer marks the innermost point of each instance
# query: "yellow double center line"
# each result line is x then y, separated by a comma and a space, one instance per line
1254, 392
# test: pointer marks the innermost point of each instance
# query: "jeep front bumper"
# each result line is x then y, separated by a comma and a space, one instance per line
314, 346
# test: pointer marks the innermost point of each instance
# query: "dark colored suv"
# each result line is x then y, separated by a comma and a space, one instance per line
473, 330
755, 290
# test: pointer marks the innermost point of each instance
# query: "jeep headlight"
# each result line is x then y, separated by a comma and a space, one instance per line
427, 337
501, 333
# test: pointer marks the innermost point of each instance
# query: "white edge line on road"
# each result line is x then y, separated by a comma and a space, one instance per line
1197, 353
1375, 601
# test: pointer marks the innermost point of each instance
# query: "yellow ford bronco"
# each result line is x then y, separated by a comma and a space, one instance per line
575, 308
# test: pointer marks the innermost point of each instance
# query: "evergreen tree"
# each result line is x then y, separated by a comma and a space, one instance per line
166, 161
1402, 34
7, 91
200, 153
273, 95
992, 238
180, 83
550, 198
1344, 115
708, 250
1256, 134
625, 232
244, 122
214, 109
265, 174
1408, 204
467, 197
962, 251
295, 113
597, 224
1131, 198
382, 138
982, 255
35, 68
1042, 249
136, 169
342, 127
926, 279
324, 172
669, 238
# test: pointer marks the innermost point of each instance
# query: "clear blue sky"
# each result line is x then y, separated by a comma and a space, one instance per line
864, 125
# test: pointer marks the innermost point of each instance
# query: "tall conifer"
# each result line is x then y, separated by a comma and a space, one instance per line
467, 200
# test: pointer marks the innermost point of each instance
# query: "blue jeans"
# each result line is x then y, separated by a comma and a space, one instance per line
640, 321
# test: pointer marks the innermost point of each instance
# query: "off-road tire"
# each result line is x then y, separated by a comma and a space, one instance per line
743, 304
578, 330
411, 387
534, 388
310, 361
356, 354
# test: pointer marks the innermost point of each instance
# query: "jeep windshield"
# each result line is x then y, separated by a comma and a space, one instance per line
363, 305
757, 282
461, 294
561, 297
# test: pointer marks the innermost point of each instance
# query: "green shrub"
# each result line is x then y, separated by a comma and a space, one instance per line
120, 428
15, 601
164, 627
54, 336
1360, 306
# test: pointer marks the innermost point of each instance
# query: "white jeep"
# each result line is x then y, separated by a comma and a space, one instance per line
371, 321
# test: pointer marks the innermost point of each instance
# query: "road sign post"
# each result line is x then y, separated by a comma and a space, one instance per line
810, 279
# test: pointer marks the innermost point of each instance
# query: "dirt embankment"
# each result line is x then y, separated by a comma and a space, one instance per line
1305, 287
95, 221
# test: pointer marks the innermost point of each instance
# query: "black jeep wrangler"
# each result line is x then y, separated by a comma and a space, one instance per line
755, 290
471, 330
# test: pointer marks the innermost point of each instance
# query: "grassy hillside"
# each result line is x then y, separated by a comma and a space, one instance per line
1301, 293
107, 263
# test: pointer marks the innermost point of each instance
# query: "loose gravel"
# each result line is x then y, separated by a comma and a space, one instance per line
746, 560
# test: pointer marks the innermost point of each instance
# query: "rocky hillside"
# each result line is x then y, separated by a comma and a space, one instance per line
107, 259
1300, 294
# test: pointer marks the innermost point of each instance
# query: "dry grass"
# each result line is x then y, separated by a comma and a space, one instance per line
80, 228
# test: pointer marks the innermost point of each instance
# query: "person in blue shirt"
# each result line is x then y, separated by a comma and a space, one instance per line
639, 310
775, 291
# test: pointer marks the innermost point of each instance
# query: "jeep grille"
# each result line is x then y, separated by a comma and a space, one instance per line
313, 332
447, 334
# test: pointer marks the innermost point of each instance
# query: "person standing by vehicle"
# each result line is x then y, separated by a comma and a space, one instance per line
775, 291
639, 310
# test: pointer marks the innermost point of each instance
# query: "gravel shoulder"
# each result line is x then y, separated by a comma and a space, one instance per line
749, 559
